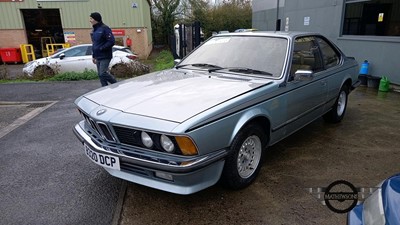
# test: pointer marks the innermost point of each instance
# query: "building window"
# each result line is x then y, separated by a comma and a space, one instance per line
372, 17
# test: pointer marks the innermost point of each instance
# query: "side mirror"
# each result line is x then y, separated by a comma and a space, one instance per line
303, 75
176, 61
62, 56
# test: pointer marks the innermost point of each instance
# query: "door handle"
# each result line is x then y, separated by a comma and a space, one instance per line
323, 83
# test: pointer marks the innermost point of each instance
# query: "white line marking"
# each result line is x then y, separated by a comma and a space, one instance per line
25, 118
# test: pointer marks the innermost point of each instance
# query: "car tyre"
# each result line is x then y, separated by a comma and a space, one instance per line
336, 114
245, 158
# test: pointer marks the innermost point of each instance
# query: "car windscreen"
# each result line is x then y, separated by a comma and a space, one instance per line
266, 54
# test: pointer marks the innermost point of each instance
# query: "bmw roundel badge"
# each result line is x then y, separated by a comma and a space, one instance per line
101, 111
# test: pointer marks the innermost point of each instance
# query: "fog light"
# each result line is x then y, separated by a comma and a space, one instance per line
164, 176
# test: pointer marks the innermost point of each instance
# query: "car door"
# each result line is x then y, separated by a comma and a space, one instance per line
331, 59
75, 59
305, 98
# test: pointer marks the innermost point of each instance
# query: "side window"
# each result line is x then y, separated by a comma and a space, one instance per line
329, 56
89, 50
80, 51
306, 55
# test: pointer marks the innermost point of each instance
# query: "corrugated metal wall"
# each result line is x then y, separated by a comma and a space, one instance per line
356, 11
116, 14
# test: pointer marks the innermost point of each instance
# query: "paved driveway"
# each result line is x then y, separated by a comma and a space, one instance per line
45, 177
363, 149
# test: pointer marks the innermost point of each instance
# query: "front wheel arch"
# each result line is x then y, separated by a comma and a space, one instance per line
252, 117
245, 157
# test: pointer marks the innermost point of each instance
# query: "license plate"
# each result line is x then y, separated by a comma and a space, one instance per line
101, 159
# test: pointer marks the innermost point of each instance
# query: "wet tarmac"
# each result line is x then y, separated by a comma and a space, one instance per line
363, 149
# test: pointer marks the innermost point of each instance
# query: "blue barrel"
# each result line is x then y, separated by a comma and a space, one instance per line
364, 67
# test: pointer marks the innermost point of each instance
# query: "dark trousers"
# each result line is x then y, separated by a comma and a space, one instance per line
102, 71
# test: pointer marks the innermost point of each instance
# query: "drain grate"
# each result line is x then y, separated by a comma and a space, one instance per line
37, 105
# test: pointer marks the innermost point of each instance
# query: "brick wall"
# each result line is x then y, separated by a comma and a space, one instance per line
12, 38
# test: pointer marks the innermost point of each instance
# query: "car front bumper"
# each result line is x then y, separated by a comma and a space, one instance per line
185, 175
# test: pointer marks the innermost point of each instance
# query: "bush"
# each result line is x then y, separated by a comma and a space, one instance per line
42, 73
128, 70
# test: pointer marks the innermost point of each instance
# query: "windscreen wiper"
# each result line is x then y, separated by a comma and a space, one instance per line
200, 65
249, 71
242, 70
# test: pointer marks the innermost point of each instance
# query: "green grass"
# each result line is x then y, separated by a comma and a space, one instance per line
72, 76
3, 81
164, 60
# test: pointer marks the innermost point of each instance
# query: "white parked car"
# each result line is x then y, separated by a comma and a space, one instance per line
76, 59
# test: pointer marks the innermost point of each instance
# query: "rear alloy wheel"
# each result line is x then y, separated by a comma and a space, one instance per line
245, 159
336, 114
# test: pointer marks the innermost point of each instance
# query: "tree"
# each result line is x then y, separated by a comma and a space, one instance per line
230, 15
164, 14
227, 16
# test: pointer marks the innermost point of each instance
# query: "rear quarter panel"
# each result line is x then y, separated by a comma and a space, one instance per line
338, 76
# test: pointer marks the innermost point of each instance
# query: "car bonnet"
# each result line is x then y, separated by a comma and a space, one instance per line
172, 95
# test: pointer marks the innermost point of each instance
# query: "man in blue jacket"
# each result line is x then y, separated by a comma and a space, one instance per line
103, 41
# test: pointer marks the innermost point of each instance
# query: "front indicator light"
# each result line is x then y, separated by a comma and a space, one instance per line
167, 144
186, 145
146, 140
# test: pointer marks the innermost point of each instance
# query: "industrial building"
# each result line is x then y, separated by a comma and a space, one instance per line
40, 22
365, 29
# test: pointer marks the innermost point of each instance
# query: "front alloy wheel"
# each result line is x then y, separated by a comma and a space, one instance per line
249, 156
245, 158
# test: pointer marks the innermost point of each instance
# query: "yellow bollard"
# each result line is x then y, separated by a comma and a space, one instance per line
27, 53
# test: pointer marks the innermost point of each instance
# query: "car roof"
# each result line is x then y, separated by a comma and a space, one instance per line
289, 34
